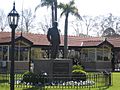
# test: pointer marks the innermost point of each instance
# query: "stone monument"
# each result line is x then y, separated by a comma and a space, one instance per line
54, 65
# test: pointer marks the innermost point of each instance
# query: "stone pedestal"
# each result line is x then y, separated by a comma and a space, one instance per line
52, 67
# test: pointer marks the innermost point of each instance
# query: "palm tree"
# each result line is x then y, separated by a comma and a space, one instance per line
48, 3
55, 4
66, 10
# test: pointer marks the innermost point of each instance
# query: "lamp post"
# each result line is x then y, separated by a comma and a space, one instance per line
13, 18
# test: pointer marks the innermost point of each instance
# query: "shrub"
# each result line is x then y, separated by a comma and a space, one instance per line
30, 77
78, 73
77, 67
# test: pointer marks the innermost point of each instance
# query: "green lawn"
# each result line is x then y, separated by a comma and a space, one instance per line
115, 86
116, 82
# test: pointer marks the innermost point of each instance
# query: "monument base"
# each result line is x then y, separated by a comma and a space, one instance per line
53, 67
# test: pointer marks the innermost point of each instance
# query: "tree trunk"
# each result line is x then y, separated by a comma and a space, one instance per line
65, 37
55, 3
52, 8
27, 30
87, 31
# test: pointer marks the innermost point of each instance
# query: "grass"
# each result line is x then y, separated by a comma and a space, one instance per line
116, 82
115, 85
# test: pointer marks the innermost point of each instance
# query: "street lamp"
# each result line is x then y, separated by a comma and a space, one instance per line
13, 18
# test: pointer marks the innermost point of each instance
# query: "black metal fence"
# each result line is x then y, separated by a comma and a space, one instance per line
91, 80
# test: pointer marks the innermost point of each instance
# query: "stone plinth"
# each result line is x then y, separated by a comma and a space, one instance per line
57, 66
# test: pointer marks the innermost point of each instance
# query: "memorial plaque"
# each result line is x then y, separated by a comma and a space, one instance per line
60, 68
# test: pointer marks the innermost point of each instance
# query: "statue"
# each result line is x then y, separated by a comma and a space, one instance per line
53, 37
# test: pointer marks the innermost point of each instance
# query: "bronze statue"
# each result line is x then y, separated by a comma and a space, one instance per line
53, 37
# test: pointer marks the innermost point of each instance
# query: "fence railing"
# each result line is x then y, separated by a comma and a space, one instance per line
91, 80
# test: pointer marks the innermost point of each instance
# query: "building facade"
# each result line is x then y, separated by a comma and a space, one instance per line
93, 53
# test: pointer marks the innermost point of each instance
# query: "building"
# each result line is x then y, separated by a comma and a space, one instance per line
94, 53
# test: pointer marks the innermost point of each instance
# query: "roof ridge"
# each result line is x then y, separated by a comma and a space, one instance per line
92, 40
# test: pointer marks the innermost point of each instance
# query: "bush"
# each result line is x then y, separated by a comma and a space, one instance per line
78, 73
77, 67
30, 77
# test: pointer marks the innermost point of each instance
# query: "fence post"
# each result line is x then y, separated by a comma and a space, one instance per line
107, 78
110, 79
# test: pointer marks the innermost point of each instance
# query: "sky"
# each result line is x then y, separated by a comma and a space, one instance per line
85, 7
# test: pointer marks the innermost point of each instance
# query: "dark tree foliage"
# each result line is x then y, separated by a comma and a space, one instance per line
110, 32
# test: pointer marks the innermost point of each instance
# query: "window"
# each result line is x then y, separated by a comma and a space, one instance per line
99, 54
104, 53
16, 53
21, 53
3, 53
37, 53
88, 54
84, 54
24, 53
91, 54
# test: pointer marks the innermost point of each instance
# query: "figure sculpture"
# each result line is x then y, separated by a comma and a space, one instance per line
53, 37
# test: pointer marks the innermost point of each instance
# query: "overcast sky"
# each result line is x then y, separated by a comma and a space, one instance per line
86, 7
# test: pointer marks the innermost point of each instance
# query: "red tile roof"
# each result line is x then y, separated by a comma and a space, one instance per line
40, 39
4, 37
91, 43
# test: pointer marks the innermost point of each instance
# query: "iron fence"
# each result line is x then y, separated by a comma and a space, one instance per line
62, 82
